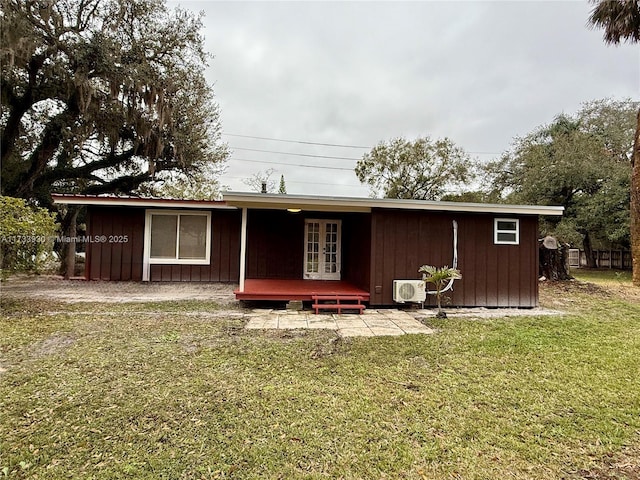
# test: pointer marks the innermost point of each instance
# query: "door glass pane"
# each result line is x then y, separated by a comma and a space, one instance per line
313, 247
193, 237
331, 248
163, 236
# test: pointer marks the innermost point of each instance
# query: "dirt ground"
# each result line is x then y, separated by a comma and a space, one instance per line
55, 288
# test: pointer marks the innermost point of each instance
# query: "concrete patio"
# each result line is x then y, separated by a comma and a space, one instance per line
371, 323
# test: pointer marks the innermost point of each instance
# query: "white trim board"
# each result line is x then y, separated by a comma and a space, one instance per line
349, 204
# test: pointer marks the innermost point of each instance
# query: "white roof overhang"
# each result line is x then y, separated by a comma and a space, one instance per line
351, 204
98, 200
306, 202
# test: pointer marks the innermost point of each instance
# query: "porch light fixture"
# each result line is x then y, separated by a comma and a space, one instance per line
294, 210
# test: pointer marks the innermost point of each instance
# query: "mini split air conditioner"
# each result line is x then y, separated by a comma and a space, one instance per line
409, 291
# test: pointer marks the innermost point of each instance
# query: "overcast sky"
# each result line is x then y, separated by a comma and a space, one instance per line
357, 73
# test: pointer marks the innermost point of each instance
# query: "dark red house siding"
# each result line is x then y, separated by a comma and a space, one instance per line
111, 259
356, 249
493, 275
377, 248
123, 261
275, 247
275, 244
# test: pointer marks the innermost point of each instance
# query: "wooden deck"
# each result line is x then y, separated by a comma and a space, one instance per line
297, 289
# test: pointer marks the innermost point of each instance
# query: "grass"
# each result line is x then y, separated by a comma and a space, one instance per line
162, 391
602, 276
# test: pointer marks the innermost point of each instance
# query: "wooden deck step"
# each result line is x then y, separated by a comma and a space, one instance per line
338, 303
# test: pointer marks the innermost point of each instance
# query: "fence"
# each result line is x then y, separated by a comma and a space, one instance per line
620, 259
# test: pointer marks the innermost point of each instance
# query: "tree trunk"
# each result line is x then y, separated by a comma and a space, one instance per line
554, 263
68, 260
588, 251
635, 206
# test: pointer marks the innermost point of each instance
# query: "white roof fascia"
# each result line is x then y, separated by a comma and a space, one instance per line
352, 204
140, 202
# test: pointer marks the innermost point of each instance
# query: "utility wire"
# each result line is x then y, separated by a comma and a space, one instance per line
296, 141
349, 185
294, 154
291, 164
328, 144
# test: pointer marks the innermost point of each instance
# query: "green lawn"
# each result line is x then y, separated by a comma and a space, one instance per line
160, 391
602, 276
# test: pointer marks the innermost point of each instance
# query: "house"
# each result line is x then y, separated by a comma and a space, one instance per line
287, 247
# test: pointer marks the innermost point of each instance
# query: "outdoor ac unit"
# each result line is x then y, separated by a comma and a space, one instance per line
409, 291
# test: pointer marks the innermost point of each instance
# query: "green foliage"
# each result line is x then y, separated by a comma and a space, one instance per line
100, 96
582, 162
473, 196
619, 19
283, 187
424, 169
439, 277
200, 184
26, 236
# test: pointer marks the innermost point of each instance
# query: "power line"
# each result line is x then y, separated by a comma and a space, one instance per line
292, 164
321, 144
296, 141
294, 154
349, 185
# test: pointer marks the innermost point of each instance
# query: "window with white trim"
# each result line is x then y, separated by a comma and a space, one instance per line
179, 237
506, 231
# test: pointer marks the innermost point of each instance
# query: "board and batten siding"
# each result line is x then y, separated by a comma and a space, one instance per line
123, 261
114, 260
275, 244
493, 275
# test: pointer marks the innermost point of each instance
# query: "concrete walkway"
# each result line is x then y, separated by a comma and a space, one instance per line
371, 323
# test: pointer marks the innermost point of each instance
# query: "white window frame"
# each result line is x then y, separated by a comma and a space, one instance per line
148, 260
497, 231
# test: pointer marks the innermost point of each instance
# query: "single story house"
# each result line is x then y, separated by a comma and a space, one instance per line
287, 247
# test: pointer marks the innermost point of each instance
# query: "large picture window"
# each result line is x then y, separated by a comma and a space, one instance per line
506, 231
179, 237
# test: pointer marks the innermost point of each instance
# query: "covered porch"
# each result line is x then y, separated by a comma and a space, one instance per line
279, 289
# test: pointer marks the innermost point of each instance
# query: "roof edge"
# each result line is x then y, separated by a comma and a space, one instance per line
117, 201
359, 204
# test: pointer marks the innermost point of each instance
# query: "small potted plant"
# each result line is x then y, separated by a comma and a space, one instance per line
440, 278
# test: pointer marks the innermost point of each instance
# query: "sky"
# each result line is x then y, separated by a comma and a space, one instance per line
355, 74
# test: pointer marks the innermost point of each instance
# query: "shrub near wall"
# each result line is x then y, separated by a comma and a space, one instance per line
27, 235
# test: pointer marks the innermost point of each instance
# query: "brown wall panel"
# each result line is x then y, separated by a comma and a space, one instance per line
493, 275
113, 259
275, 244
123, 261
356, 249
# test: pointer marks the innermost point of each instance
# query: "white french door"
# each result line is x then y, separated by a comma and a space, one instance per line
322, 249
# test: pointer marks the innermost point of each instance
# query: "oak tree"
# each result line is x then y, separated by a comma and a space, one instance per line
99, 96
424, 169
582, 162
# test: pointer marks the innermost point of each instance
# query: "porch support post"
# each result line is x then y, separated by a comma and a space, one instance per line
243, 248
146, 267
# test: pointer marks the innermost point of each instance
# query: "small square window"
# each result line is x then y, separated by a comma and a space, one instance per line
506, 231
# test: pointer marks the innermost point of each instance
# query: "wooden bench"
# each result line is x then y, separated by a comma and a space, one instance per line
336, 303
